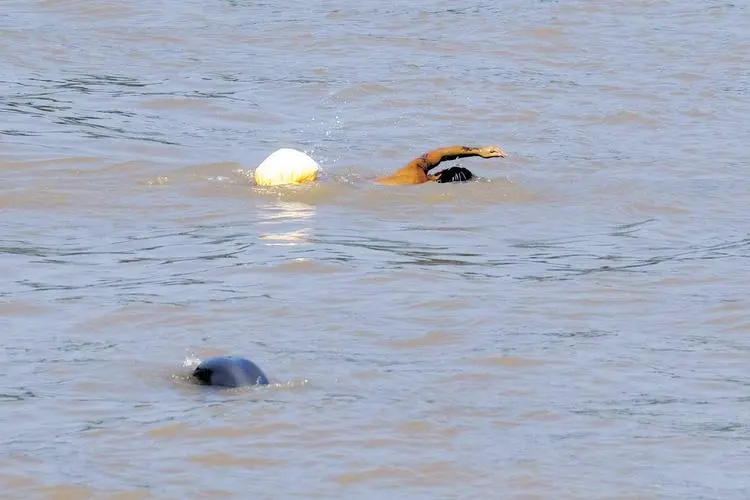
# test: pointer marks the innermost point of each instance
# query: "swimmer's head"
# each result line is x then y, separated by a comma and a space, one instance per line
454, 174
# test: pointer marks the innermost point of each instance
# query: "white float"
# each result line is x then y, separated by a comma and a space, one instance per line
286, 166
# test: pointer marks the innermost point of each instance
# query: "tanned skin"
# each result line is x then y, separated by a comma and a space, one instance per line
417, 171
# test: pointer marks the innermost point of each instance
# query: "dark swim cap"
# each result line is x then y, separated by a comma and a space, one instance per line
229, 371
454, 174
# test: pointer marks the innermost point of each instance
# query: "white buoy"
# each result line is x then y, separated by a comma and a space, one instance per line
286, 166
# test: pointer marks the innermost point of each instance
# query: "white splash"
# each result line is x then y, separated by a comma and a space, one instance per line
191, 361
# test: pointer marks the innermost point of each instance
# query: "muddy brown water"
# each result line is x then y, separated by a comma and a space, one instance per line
573, 325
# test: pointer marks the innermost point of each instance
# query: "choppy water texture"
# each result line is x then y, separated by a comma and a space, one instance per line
574, 325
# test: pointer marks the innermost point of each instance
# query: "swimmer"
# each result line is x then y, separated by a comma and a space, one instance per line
417, 170
289, 166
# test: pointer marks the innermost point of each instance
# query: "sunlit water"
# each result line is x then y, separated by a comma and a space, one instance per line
572, 325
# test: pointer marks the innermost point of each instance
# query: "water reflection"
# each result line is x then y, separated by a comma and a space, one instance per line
281, 214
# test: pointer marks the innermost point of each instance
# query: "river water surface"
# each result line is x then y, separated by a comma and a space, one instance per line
575, 324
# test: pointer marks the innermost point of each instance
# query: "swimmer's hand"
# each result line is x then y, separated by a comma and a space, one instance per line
491, 152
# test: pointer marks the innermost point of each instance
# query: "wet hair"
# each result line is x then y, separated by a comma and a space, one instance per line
454, 174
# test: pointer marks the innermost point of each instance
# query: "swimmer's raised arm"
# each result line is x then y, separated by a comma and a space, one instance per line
415, 172
433, 158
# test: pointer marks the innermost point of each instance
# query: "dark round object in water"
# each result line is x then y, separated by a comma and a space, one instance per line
229, 371
455, 174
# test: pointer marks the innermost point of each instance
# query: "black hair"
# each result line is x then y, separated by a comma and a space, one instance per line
454, 174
